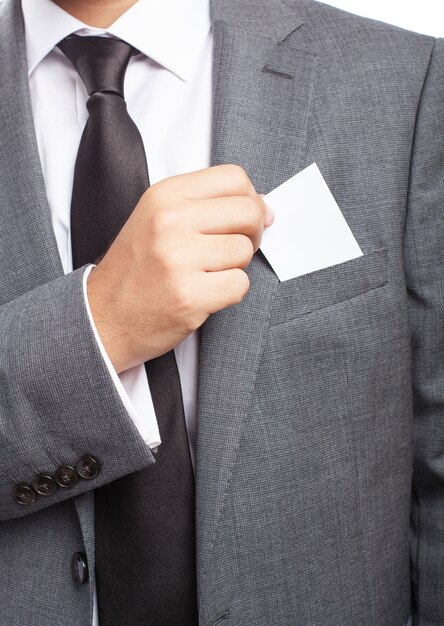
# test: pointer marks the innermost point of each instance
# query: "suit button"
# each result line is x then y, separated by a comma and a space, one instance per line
23, 494
87, 467
79, 567
44, 485
66, 476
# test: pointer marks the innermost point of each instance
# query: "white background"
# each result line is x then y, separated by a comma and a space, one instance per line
423, 16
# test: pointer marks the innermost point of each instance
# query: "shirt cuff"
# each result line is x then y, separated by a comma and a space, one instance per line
132, 385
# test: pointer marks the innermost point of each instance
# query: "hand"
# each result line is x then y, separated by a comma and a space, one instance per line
179, 258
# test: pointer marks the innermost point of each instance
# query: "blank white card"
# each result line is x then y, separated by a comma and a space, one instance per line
309, 231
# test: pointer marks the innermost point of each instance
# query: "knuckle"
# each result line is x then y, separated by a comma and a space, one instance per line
259, 215
242, 283
245, 247
155, 194
253, 213
164, 221
247, 205
239, 175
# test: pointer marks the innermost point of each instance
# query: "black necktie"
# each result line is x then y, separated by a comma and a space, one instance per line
144, 522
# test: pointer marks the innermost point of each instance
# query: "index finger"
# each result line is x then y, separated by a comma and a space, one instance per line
214, 182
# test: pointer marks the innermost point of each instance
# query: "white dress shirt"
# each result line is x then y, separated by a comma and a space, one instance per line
168, 93
169, 96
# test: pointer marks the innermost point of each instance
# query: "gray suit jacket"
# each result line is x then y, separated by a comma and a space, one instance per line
318, 398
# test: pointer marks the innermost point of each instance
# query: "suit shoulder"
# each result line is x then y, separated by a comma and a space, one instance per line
345, 29
350, 40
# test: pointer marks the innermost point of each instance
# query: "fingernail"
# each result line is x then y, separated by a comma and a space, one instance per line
269, 216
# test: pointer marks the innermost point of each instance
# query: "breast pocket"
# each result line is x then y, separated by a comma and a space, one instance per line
329, 286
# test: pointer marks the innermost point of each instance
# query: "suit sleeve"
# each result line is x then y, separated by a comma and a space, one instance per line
424, 259
58, 404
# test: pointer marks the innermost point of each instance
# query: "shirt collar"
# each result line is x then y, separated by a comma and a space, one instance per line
170, 32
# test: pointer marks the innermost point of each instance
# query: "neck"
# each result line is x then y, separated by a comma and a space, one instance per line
98, 13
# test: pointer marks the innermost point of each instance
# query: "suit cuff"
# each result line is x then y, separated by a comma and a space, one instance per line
132, 385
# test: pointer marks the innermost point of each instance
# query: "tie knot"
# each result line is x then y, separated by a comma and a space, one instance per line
101, 62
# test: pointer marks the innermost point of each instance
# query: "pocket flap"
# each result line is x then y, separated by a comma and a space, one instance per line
318, 290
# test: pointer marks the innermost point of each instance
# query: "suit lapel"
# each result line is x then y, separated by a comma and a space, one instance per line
28, 250
263, 85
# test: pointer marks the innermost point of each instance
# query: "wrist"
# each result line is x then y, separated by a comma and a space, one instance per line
102, 309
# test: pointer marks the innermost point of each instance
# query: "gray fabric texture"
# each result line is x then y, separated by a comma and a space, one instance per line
309, 425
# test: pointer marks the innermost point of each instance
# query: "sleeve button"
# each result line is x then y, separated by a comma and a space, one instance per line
66, 476
23, 494
44, 485
87, 467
